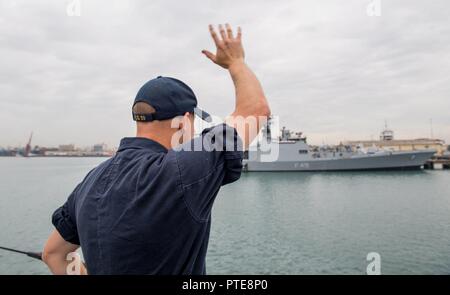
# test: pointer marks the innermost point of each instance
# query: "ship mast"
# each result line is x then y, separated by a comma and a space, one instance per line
268, 130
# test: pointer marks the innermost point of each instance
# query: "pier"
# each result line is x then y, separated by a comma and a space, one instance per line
442, 163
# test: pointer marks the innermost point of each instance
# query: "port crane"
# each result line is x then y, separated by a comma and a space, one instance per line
28, 147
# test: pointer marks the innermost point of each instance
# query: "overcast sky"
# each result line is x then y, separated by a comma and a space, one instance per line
327, 67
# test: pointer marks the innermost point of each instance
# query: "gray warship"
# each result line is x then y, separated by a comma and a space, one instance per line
290, 152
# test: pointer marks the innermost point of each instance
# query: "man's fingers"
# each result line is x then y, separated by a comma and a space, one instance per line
214, 35
239, 33
209, 55
229, 31
222, 33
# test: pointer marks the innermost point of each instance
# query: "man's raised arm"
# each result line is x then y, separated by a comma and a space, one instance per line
252, 109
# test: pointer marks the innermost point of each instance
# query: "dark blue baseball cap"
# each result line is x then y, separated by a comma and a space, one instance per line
169, 97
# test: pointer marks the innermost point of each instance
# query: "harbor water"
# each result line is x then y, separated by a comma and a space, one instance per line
267, 222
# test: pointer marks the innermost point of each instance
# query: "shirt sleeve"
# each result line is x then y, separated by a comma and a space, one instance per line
64, 220
205, 164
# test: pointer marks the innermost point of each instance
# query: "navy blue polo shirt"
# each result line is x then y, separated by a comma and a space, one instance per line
147, 210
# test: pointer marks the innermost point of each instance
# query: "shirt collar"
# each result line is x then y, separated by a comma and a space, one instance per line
140, 143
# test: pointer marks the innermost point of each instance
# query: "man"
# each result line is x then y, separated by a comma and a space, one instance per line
147, 210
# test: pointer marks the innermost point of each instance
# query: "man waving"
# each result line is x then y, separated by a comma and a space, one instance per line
147, 210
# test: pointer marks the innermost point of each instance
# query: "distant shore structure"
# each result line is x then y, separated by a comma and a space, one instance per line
387, 141
70, 150
63, 150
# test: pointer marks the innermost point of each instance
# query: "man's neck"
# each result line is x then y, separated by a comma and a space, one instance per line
164, 141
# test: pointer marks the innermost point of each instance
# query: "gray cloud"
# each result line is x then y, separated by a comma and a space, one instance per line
328, 68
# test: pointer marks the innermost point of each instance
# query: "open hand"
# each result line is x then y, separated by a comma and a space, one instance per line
229, 48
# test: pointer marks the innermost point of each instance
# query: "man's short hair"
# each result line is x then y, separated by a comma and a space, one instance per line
141, 108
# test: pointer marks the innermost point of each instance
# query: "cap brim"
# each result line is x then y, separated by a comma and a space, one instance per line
203, 115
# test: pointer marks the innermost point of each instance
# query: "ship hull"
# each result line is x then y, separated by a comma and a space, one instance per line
391, 161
